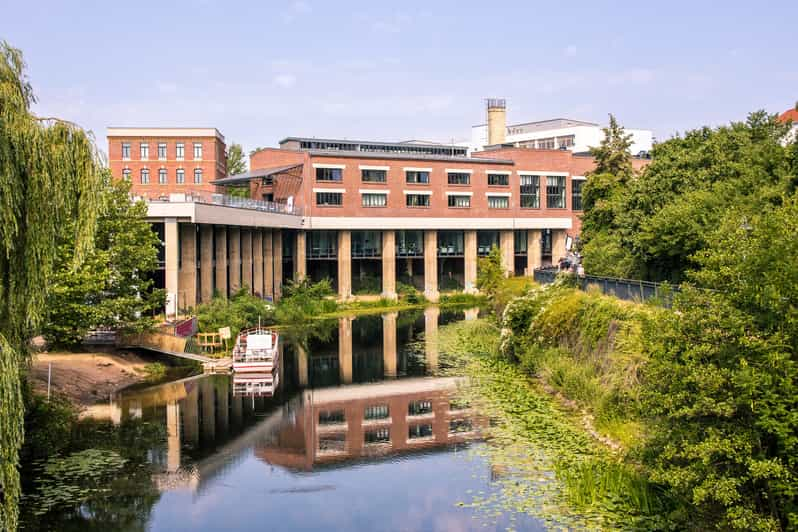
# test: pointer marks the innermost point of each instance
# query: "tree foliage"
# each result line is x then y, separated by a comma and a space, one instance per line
49, 177
114, 286
236, 163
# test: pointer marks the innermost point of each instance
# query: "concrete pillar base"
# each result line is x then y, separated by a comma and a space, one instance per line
431, 266
470, 262
389, 264
344, 265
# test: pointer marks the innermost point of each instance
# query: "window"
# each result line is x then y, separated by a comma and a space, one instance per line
332, 443
498, 202
376, 412
530, 192
419, 431
329, 198
125, 151
555, 192
162, 176
180, 177
382, 435
458, 178
409, 243
374, 200
501, 180
323, 244
417, 200
546, 144
145, 151
459, 201
162, 151
520, 239
419, 408
145, 176
126, 174
329, 174
331, 417
198, 176
460, 425
450, 243
197, 151
576, 194
418, 177
565, 142
373, 176
180, 151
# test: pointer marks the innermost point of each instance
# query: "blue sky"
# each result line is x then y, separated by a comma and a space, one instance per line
261, 71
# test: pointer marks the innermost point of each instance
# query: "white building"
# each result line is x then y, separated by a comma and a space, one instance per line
558, 133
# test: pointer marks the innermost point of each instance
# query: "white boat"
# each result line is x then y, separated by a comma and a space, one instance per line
256, 351
255, 384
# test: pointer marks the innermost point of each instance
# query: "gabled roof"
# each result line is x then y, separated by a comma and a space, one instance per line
259, 173
791, 114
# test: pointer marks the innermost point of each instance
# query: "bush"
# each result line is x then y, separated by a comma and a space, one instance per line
305, 299
240, 311
368, 284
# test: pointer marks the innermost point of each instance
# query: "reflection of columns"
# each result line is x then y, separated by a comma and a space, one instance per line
471, 314
431, 265
172, 436
389, 264
344, 264
345, 349
470, 261
257, 262
302, 365
206, 263
172, 254
221, 260
134, 409
557, 245
507, 245
208, 409
234, 243
277, 254
533, 251
188, 266
268, 264
389, 343
222, 387
246, 259
190, 411
237, 409
300, 256
431, 337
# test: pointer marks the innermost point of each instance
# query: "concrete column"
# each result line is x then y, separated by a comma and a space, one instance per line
431, 315
344, 264
246, 259
300, 256
389, 264
268, 264
431, 265
557, 245
172, 254
507, 246
234, 243
206, 263
172, 436
187, 297
302, 365
470, 262
277, 253
389, 343
221, 260
257, 262
533, 251
345, 349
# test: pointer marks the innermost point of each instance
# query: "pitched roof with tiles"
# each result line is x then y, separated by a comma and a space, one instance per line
791, 114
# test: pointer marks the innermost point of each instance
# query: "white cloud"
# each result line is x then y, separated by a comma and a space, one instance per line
285, 81
570, 50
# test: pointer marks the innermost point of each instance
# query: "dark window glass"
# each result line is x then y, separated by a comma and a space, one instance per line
555, 192
419, 431
329, 198
417, 200
329, 174
126, 150
373, 176
530, 191
498, 180
459, 201
576, 194
162, 150
416, 176
418, 408
145, 151
180, 150
459, 178
374, 200
331, 417
382, 435
180, 177
198, 176
162, 176
145, 176
376, 412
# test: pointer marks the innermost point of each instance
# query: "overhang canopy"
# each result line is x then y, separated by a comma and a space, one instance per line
260, 173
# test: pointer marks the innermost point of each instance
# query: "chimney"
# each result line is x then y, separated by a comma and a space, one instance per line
497, 120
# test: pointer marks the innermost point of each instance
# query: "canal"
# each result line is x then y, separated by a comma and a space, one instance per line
361, 433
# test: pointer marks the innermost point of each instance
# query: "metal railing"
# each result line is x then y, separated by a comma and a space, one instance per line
626, 289
228, 201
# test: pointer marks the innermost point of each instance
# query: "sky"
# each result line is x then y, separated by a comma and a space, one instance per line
260, 71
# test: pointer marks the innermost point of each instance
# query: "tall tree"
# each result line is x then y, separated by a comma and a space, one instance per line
49, 175
236, 164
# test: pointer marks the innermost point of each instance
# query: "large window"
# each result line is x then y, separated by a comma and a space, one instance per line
566, 141
409, 243
498, 202
197, 151
576, 194
371, 175
376, 412
450, 243
373, 437
366, 243
145, 176
125, 151
546, 144
180, 176
162, 176
144, 150
162, 151
126, 174
530, 192
459, 201
329, 174
374, 200
323, 244
331, 417
420, 177
180, 151
555, 192
520, 240
417, 200
329, 198
415, 432
458, 178
501, 180
198, 176
419, 408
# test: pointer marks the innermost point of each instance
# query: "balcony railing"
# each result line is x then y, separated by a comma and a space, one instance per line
229, 201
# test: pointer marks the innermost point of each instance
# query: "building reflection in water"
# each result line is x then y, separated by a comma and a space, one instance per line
364, 393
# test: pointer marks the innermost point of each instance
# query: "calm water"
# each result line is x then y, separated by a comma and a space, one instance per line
359, 435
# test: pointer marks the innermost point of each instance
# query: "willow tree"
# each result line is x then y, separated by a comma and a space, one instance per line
49, 172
